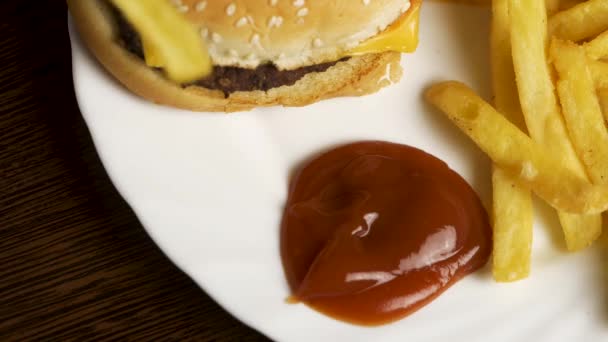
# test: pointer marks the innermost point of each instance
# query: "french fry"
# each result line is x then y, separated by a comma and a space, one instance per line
585, 20
538, 101
581, 108
582, 113
176, 44
529, 40
536, 91
512, 226
580, 230
553, 6
468, 2
598, 47
536, 166
511, 203
599, 71
603, 96
506, 97
567, 4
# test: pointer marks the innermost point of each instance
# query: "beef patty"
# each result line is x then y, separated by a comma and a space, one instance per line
226, 79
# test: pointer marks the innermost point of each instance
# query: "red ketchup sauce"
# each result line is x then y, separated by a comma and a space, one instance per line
373, 231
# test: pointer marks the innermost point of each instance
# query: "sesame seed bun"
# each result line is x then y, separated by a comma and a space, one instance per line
357, 76
288, 33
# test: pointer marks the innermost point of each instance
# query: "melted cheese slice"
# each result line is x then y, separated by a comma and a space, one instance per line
402, 36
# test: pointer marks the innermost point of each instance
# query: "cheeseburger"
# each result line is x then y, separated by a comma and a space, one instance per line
261, 52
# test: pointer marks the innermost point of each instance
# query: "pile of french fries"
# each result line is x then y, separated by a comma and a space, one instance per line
546, 131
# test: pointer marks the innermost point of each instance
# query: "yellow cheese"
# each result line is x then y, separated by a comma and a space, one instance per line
402, 36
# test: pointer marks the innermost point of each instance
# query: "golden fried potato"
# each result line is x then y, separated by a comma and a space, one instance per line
170, 41
513, 221
599, 71
468, 2
552, 6
581, 108
603, 96
512, 211
536, 167
583, 21
567, 4
529, 41
598, 47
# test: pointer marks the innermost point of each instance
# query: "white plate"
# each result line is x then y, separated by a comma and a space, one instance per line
209, 188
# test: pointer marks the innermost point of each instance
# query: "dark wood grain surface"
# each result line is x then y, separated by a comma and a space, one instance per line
75, 264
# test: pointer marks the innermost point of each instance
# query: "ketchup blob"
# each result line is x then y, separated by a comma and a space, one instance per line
373, 231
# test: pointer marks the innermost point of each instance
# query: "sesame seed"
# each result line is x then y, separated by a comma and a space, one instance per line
299, 3
200, 6
273, 2
231, 9
317, 42
255, 39
251, 20
275, 21
216, 37
241, 22
366, 2
183, 8
302, 12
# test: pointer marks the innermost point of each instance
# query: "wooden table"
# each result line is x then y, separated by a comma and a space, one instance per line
75, 264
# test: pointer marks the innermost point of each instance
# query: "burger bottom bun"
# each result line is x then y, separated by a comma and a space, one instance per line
357, 76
